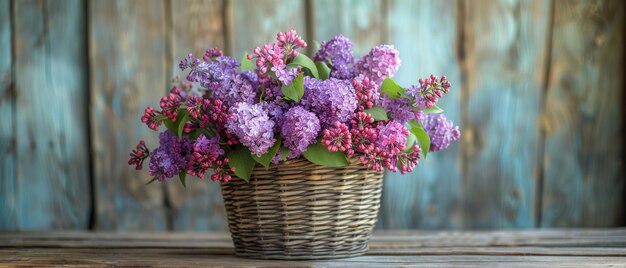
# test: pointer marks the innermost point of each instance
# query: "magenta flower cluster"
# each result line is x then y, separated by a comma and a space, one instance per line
226, 113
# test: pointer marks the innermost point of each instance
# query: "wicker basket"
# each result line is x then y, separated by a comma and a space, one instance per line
300, 210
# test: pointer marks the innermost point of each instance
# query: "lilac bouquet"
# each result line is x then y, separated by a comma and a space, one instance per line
278, 104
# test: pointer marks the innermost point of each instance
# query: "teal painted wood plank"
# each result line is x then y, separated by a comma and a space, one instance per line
505, 45
128, 63
52, 168
583, 163
7, 139
197, 25
425, 33
361, 21
255, 23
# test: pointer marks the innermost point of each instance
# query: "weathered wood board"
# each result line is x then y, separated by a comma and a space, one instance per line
584, 163
128, 71
50, 181
8, 190
430, 196
504, 68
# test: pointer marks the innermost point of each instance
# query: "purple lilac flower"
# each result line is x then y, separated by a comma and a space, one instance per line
252, 126
381, 62
299, 128
243, 87
339, 51
212, 74
170, 157
441, 131
392, 137
400, 109
331, 100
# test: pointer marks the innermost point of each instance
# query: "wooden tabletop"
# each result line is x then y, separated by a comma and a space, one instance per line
540, 248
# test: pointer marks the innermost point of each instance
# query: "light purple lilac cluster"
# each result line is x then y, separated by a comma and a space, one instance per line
221, 109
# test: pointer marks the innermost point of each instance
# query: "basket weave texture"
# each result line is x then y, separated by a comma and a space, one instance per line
300, 210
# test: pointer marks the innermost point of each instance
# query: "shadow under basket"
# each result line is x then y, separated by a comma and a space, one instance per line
300, 210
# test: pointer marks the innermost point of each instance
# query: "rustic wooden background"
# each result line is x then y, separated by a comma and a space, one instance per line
539, 90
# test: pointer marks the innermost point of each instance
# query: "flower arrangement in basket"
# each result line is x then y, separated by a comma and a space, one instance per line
298, 144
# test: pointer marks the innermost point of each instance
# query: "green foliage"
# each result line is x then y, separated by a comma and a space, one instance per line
323, 70
284, 152
391, 89
266, 158
377, 112
433, 110
152, 180
246, 64
410, 141
319, 154
423, 139
240, 159
178, 126
305, 62
295, 91
182, 176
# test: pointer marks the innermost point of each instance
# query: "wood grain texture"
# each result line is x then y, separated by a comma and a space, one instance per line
196, 26
7, 126
583, 163
429, 197
127, 47
52, 164
505, 71
553, 248
360, 21
255, 23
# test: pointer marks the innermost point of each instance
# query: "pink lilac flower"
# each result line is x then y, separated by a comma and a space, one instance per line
138, 155
376, 159
407, 160
441, 131
243, 87
331, 100
170, 104
429, 91
222, 172
205, 153
338, 52
170, 157
299, 128
381, 62
367, 93
208, 112
338, 138
150, 118
274, 57
212, 53
400, 109
392, 136
364, 132
251, 124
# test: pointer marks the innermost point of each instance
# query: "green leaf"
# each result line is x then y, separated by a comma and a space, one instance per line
246, 64
295, 91
266, 158
377, 112
182, 176
240, 159
284, 152
423, 139
413, 123
410, 141
305, 62
316, 45
319, 154
181, 124
433, 110
391, 89
323, 69
171, 126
